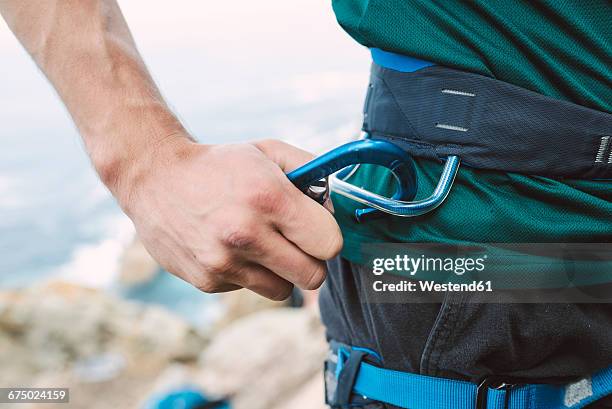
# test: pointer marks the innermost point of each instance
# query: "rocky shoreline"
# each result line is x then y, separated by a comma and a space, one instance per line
114, 353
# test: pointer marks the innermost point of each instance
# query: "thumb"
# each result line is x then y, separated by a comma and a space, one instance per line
286, 156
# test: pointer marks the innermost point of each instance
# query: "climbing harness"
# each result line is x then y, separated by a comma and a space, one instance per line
455, 117
354, 378
416, 109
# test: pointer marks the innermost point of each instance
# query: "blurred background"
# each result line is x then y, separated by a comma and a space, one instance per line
81, 303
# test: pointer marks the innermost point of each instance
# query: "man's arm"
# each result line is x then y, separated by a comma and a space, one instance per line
219, 216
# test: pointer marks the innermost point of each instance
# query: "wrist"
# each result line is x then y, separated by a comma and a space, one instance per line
124, 171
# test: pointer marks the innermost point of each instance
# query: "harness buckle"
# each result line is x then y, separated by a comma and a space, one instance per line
497, 383
341, 372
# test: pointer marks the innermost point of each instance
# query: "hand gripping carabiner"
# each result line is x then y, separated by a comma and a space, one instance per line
310, 178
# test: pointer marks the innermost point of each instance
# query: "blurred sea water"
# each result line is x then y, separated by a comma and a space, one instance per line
232, 71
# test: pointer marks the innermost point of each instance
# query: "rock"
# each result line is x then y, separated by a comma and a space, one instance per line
263, 359
240, 303
137, 265
61, 328
309, 396
115, 353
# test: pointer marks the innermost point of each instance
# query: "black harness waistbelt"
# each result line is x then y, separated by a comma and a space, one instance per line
436, 112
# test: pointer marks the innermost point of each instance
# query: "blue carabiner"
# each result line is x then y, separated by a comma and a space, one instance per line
311, 178
343, 158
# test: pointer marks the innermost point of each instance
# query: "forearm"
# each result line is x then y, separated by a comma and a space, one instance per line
219, 216
86, 50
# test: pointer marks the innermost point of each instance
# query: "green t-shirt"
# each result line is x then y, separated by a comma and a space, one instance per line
562, 49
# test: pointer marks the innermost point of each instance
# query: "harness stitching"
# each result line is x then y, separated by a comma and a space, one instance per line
602, 150
452, 127
456, 92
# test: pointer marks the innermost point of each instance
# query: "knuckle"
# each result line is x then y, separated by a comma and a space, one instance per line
208, 284
215, 265
240, 235
265, 198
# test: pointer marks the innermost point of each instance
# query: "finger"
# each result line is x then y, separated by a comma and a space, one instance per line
329, 205
306, 223
288, 261
262, 281
286, 156
310, 227
220, 288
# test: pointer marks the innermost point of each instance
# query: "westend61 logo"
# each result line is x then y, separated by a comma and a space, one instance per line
413, 265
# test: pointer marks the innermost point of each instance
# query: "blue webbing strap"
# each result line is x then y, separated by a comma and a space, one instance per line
398, 62
414, 391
